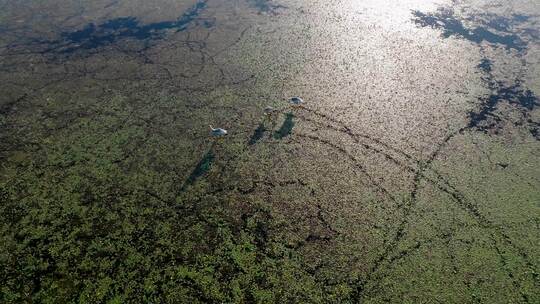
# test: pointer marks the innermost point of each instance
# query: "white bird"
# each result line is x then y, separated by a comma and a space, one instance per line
296, 101
218, 132
269, 110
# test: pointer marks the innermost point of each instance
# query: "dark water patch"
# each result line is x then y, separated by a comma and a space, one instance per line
286, 127
485, 65
485, 118
520, 18
209, 23
495, 30
266, 6
93, 36
526, 99
498, 22
121, 23
534, 129
257, 134
202, 168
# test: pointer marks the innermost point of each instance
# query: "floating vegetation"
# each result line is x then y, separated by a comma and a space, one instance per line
257, 134
497, 30
107, 197
286, 127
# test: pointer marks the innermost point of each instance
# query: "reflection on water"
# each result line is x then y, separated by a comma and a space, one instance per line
413, 144
497, 30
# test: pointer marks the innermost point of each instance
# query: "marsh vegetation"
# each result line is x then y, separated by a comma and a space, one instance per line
410, 175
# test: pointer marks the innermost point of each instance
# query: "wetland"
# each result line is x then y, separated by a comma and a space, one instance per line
409, 174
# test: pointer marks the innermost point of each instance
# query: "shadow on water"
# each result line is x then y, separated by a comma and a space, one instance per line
95, 36
445, 19
202, 167
286, 127
257, 134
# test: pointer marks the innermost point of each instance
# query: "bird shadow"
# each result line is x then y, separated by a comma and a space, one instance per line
286, 127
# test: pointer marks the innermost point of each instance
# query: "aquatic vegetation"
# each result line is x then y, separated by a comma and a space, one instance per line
410, 176
485, 118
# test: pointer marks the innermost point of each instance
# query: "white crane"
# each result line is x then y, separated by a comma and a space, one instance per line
217, 132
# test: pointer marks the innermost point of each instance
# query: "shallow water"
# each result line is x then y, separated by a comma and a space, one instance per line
410, 174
